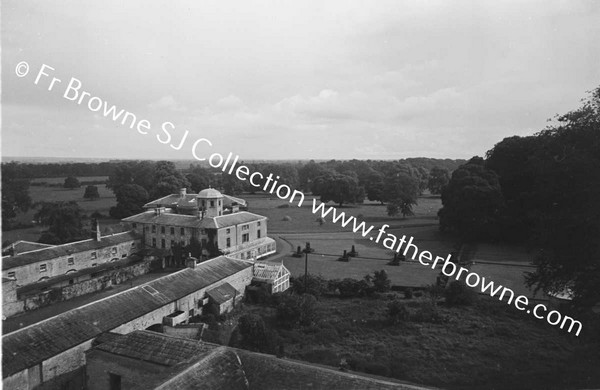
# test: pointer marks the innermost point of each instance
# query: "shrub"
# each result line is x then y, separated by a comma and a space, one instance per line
352, 288
397, 312
286, 218
294, 310
458, 293
315, 285
254, 332
377, 369
408, 293
428, 312
381, 282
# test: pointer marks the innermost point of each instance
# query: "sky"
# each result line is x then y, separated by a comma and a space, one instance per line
291, 79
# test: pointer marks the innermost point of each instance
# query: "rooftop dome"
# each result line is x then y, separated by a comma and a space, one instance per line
209, 193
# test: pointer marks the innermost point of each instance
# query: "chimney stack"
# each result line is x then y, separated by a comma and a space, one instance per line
96, 234
182, 192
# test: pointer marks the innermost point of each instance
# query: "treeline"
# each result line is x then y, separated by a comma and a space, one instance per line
543, 190
49, 170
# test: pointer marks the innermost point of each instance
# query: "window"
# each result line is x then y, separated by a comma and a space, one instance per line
258, 234
182, 231
172, 230
124, 255
153, 228
258, 223
133, 244
94, 264
113, 250
172, 243
228, 231
43, 268
71, 281
228, 242
162, 243
154, 242
212, 203
134, 225
12, 275
245, 237
94, 256
182, 242
219, 202
70, 261
115, 381
162, 230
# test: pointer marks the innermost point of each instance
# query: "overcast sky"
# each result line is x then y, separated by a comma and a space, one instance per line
294, 79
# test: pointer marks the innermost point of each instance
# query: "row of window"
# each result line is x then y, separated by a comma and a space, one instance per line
163, 230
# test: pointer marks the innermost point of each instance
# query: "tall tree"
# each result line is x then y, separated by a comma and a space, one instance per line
64, 222
71, 182
130, 199
438, 179
338, 188
15, 194
91, 192
167, 180
472, 201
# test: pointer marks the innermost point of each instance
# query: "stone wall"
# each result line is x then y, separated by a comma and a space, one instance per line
112, 277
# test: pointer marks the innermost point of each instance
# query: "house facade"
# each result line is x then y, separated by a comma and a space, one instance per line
209, 218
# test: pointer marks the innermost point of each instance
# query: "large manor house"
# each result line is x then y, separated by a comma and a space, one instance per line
51, 353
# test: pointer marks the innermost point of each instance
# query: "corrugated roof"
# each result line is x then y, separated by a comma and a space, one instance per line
223, 293
34, 344
65, 250
155, 347
237, 218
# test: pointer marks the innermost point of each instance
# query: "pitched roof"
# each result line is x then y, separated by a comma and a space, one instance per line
219, 370
237, 218
22, 246
171, 219
189, 200
32, 345
268, 271
155, 347
223, 293
182, 220
66, 250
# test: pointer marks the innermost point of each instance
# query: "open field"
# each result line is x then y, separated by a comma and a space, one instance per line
303, 220
57, 194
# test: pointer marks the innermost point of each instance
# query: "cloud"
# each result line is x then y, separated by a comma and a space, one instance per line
167, 103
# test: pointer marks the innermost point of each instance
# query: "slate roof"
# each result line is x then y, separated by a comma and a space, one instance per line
220, 370
182, 220
65, 250
155, 347
189, 200
237, 218
223, 293
172, 219
26, 246
32, 345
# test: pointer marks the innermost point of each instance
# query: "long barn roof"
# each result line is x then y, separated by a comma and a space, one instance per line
32, 345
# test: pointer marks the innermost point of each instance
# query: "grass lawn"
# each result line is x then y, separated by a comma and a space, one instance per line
486, 346
56, 194
303, 220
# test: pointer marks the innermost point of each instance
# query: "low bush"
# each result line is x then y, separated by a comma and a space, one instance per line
458, 294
